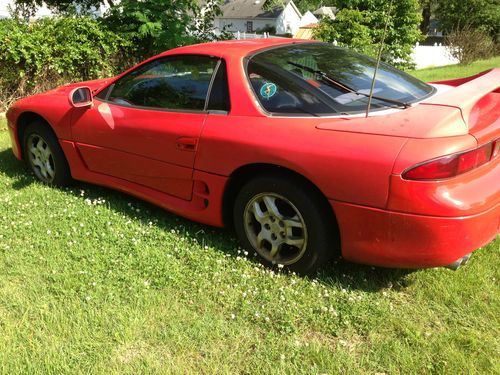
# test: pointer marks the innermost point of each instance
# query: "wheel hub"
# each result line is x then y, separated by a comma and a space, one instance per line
275, 228
40, 157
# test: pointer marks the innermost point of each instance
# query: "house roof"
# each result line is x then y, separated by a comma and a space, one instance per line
326, 11
248, 9
309, 26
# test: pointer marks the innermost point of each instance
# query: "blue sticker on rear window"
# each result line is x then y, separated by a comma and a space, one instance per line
268, 90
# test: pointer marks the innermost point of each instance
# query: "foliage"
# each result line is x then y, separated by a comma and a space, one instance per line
27, 8
469, 44
360, 24
38, 55
42, 54
153, 26
350, 28
482, 15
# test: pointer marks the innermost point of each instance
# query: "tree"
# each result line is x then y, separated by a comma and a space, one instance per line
428, 8
482, 15
151, 26
350, 28
27, 8
360, 23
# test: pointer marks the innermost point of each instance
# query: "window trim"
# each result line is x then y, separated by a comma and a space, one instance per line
110, 87
210, 85
221, 64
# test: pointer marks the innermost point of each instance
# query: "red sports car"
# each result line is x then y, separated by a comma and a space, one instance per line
273, 137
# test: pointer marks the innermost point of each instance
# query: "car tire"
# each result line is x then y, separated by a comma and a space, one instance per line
45, 156
286, 223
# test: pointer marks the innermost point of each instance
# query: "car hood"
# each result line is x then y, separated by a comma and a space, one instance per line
94, 85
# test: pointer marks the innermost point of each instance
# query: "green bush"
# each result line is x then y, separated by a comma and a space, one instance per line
52, 51
469, 44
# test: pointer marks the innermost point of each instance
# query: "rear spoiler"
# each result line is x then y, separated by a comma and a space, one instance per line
468, 91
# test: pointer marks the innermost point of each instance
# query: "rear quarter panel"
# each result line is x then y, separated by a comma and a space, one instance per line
346, 166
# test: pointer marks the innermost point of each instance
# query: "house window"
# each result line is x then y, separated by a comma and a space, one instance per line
249, 26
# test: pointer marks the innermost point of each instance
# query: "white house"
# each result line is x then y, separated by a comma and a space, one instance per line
251, 16
328, 12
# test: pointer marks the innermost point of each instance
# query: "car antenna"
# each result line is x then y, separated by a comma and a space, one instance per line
379, 57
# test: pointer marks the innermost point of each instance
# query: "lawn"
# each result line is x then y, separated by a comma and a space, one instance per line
94, 281
455, 71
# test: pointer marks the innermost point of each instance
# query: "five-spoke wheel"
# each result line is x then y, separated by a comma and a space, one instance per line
44, 155
286, 223
275, 228
40, 158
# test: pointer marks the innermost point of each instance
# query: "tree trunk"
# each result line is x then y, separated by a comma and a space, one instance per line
426, 19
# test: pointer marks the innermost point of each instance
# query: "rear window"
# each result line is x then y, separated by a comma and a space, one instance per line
290, 79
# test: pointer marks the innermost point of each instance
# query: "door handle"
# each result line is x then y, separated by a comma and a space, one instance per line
187, 144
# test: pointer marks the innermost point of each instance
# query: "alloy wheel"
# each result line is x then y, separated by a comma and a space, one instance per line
41, 158
275, 228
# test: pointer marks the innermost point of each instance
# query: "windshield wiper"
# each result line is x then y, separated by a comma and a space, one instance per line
325, 77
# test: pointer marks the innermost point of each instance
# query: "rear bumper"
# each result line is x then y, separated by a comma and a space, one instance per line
393, 239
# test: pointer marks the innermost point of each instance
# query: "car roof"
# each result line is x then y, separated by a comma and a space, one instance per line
234, 48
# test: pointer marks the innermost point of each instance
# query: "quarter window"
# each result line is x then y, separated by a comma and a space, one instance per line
177, 83
219, 93
280, 92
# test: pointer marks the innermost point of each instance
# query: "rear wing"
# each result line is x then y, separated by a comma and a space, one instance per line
468, 91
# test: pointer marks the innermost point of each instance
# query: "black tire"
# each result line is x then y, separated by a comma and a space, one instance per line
320, 233
60, 174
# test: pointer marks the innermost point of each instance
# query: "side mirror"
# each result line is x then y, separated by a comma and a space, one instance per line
81, 97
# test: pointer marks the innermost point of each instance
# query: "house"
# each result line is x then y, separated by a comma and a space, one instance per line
323, 12
251, 16
306, 31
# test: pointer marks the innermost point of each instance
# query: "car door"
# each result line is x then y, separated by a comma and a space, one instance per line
145, 127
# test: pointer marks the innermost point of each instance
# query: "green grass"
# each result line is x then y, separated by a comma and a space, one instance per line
94, 281
455, 71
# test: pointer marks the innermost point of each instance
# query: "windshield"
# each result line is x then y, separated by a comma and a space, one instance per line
297, 78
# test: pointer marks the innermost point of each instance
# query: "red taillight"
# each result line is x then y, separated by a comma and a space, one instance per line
496, 149
453, 165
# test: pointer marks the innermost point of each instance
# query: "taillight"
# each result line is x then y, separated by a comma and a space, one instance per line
453, 165
496, 149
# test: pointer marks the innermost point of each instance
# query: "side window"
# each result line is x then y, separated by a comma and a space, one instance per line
219, 93
284, 94
176, 82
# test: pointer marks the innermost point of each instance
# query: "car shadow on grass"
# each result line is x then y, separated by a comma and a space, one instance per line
337, 273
